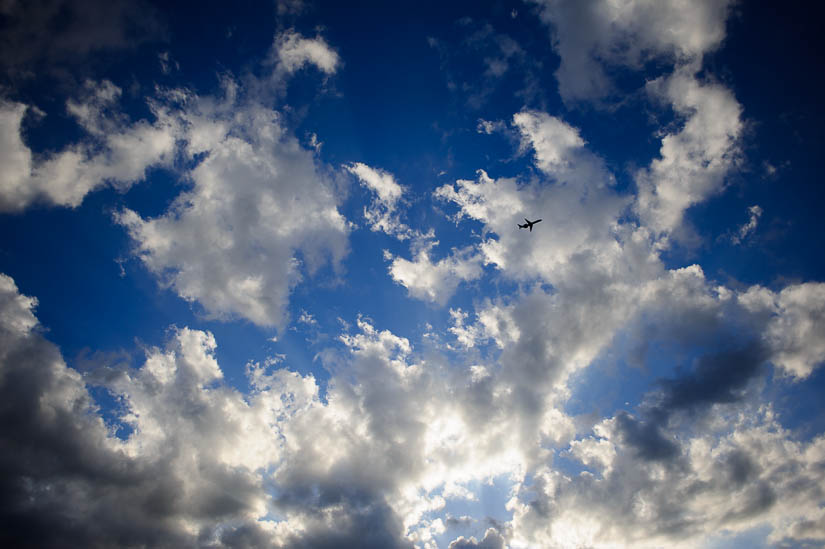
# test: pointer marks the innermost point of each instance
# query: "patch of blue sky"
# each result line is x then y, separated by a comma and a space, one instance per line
798, 403
487, 507
753, 538
112, 410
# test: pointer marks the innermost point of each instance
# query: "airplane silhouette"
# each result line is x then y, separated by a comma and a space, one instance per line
528, 225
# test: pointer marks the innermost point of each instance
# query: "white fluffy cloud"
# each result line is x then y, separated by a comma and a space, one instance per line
702, 454
381, 213
115, 152
552, 140
259, 214
694, 161
589, 35
258, 217
574, 198
291, 52
795, 319
430, 280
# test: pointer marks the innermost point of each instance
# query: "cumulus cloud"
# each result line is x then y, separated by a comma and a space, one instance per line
795, 333
189, 473
435, 281
381, 213
399, 436
574, 197
690, 460
694, 161
610, 294
492, 540
742, 473
238, 240
552, 140
594, 35
64, 468
204, 464
115, 151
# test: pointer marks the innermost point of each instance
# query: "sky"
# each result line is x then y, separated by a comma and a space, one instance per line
263, 282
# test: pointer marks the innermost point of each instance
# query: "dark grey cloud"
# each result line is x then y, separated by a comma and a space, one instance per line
720, 377
646, 438
369, 524
66, 482
53, 34
717, 378
203, 463
61, 485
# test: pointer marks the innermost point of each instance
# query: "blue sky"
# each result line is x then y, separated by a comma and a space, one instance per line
263, 283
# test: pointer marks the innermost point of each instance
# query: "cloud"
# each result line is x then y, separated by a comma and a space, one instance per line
690, 461
575, 198
204, 464
64, 468
694, 161
609, 295
743, 473
795, 331
492, 540
751, 326
291, 52
592, 36
400, 435
490, 127
258, 216
381, 212
194, 468
16, 157
745, 230
435, 281
167, 64
114, 151
552, 140
239, 239
57, 34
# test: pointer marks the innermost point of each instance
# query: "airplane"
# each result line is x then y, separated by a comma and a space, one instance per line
528, 225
